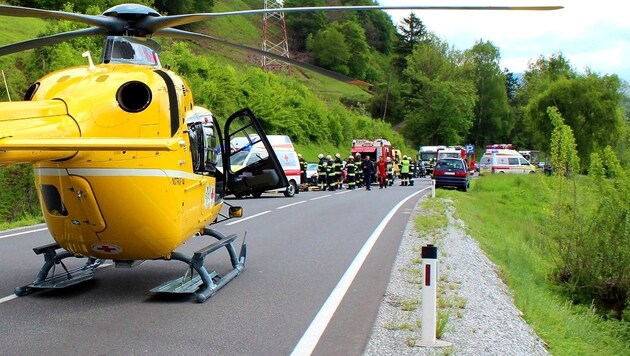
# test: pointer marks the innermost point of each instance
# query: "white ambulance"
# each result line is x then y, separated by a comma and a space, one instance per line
498, 160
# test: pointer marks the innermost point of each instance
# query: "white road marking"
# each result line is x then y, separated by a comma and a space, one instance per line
7, 298
343, 192
311, 337
323, 196
249, 217
23, 232
288, 205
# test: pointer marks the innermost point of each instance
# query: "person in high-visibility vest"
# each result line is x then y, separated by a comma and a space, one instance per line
359, 173
321, 172
330, 173
404, 171
351, 172
337, 168
390, 171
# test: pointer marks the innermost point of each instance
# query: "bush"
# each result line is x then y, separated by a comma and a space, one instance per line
18, 197
591, 232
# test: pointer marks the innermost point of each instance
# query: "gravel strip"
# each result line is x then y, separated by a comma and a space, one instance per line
482, 318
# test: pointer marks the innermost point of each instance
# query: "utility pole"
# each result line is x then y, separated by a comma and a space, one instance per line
275, 37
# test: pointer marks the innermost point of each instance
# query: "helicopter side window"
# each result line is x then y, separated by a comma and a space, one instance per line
212, 149
197, 147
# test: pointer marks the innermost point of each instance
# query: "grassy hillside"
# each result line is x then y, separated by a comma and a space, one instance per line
507, 215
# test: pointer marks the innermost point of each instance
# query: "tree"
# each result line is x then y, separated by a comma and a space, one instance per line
494, 120
590, 105
564, 158
354, 37
302, 24
411, 32
439, 100
329, 50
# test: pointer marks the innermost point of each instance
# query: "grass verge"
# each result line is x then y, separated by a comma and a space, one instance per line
506, 215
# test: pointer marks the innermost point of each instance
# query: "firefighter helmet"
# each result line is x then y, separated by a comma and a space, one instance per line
320, 156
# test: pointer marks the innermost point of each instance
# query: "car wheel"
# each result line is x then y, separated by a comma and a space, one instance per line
256, 194
291, 189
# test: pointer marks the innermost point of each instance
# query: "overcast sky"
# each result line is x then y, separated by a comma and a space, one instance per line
593, 34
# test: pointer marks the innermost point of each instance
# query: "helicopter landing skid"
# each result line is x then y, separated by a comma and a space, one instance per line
205, 284
62, 280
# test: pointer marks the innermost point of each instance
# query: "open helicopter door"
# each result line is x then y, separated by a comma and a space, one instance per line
251, 165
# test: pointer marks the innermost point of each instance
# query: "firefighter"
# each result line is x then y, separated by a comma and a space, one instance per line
321, 172
338, 166
351, 171
412, 171
404, 171
359, 174
330, 173
303, 165
390, 171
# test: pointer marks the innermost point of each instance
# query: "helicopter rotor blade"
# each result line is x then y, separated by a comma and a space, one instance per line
50, 40
153, 24
181, 34
99, 21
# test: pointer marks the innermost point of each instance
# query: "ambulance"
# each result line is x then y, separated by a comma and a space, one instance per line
504, 160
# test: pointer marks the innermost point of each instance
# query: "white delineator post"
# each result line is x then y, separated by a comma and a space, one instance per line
429, 298
432, 188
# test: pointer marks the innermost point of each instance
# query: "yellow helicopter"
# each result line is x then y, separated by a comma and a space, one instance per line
127, 167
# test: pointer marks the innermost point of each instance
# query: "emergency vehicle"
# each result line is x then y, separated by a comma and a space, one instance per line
374, 148
428, 155
458, 152
500, 159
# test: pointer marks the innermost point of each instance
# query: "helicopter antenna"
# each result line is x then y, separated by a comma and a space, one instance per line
89, 57
275, 37
6, 85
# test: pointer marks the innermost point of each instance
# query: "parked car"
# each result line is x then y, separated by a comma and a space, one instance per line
311, 173
452, 172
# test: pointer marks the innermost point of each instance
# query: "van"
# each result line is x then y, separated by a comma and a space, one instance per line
288, 158
504, 161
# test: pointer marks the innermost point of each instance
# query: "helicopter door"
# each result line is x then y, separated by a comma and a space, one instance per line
251, 165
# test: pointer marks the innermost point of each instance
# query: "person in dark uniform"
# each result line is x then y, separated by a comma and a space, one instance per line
303, 165
330, 173
367, 167
338, 166
321, 172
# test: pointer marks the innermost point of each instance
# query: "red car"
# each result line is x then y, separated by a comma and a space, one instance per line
452, 172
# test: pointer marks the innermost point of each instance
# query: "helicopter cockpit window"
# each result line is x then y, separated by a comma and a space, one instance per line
126, 50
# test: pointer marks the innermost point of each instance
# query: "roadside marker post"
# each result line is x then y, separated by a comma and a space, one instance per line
432, 188
429, 293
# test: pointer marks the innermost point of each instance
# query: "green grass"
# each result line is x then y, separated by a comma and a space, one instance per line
26, 221
506, 214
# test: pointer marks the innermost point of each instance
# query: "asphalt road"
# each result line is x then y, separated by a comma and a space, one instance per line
317, 267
